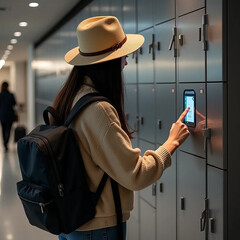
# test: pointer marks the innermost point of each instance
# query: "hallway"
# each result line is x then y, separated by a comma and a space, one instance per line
13, 222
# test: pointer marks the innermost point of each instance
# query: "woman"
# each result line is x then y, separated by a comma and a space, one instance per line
7, 115
102, 131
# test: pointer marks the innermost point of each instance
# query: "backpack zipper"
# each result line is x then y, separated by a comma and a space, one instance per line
47, 145
42, 205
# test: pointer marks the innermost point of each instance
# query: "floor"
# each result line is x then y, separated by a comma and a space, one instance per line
13, 222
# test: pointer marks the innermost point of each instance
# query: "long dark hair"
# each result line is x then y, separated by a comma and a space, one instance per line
107, 79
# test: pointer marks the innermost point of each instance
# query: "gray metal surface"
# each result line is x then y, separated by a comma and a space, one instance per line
145, 62
165, 110
185, 6
191, 186
191, 60
166, 203
217, 203
129, 16
163, 10
195, 142
214, 53
147, 221
104, 7
130, 71
145, 14
147, 193
131, 110
217, 122
146, 101
165, 60
116, 9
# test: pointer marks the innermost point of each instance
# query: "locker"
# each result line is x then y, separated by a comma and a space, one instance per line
191, 60
163, 10
131, 110
145, 14
215, 40
217, 123
145, 58
217, 202
196, 142
190, 196
104, 7
166, 203
129, 16
146, 100
165, 60
165, 110
147, 221
185, 6
148, 193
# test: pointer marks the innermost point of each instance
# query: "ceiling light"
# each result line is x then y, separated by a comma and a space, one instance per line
23, 24
33, 4
2, 62
10, 47
17, 34
13, 41
7, 52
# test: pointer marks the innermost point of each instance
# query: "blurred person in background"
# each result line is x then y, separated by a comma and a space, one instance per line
7, 113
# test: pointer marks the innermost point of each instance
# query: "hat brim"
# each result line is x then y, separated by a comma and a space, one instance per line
134, 41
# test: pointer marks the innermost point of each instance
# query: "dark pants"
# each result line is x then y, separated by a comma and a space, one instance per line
6, 130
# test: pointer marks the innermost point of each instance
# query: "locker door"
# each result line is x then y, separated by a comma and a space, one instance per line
145, 59
94, 8
217, 205
131, 109
163, 10
145, 14
195, 143
147, 221
185, 6
148, 194
217, 122
165, 110
130, 71
129, 16
166, 203
190, 196
146, 112
165, 60
191, 60
215, 41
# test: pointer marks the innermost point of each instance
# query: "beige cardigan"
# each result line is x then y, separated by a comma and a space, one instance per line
106, 147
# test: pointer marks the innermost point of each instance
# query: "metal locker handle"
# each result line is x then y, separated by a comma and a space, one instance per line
141, 120
154, 189
211, 225
161, 187
182, 203
127, 116
199, 34
203, 220
141, 50
171, 43
158, 46
207, 136
180, 39
159, 123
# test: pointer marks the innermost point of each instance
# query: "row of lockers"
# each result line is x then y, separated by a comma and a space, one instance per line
180, 44
186, 203
151, 110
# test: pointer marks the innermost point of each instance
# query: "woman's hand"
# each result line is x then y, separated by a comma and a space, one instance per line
178, 133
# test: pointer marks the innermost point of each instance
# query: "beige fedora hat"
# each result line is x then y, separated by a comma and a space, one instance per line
102, 39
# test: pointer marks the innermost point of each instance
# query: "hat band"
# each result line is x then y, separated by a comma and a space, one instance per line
113, 48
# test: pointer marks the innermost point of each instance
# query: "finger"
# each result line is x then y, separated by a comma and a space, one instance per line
183, 115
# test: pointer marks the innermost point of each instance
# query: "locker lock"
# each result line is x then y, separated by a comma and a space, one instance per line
180, 39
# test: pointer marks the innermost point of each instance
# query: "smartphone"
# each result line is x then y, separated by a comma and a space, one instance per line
189, 100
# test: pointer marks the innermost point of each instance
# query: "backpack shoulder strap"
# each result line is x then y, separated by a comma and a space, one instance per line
54, 113
82, 103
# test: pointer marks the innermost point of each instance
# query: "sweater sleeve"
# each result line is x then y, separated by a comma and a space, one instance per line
114, 154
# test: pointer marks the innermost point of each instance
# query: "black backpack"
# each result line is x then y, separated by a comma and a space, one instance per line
54, 190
